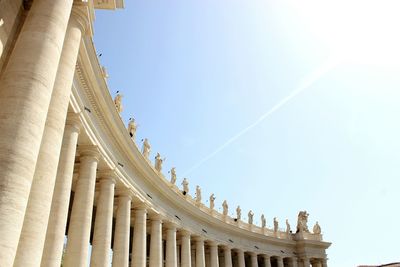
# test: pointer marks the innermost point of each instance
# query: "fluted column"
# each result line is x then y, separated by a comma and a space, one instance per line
26, 87
122, 232
200, 257
139, 238
267, 261
185, 249
76, 254
279, 261
171, 252
213, 254
101, 246
227, 256
241, 261
156, 243
54, 243
254, 261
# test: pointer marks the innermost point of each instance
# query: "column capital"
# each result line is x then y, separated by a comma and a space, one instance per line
170, 226
199, 239
89, 151
212, 243
265, 256
184, 232
123, 193
107, 175
82, 18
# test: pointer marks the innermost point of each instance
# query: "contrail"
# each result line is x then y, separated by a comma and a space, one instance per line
307, 82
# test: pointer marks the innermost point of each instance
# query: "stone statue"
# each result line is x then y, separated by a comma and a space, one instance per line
287, 226
225, 208
146, 148
104, 72
263, 221
118, 102
158, 162
251, 215
276, 225
198, 194
238, 213
317, 229
302, 219
212, 201
132, 126
173, 175
185, 185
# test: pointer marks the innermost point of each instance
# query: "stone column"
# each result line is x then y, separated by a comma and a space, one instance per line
306, 262
294, 262
227, 256
185, 249
54, 243
279, 261
324, 262
267, 261
171, 252
139, 238
101, 246
26, 87
200, 257
122, 232
156, 243
241, 261
30, 246
254, 260
77, 251
213, 254
317, 264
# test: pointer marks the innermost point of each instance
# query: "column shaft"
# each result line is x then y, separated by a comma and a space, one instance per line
122, 232
306, 262
185, 250
54, 243
228, 257
139, 239
200, 257
26, 87
294, 262
241, 261
156, 243
324, 263
254, 260
171, 257
103, 225
214, 255
280, 261
267, 261
77, 251
33, 233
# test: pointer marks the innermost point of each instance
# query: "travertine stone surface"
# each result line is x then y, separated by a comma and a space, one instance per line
171, 251
267, 261
139, 239
240, 255
213, 254
101, 247
76, 254
122, 232
25, 91
185, 249
33, 233
54, 243
227, 256
280, 261
156, 243
200, 257
254, 261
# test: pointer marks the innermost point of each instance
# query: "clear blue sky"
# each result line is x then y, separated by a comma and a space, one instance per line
194, 74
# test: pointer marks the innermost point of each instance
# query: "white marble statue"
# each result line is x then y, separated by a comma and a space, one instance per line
238, 213
225, 208
317, 229
132, 126
212, 201
104, 72
185, 185
276, 225
198, 194
158, 162
287, 226
173, 175
263, 221
250, 215
118, 102
302, 219
146, 148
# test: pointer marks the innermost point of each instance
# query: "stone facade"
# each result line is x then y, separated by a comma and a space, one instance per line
70, 169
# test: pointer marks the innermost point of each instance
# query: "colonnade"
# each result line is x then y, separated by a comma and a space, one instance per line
38, 159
